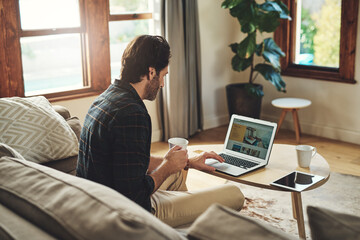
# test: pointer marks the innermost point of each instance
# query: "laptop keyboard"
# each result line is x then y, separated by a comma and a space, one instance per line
237, 162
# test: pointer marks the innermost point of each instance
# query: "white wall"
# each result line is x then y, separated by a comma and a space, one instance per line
335, 109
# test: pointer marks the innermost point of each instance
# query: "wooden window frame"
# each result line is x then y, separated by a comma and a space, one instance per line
94, 16
284, 36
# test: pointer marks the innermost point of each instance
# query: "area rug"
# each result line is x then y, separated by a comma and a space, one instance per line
341, 193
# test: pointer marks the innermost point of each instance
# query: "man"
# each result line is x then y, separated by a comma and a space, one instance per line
116, 136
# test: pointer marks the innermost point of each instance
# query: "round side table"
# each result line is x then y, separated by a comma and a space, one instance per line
291, 105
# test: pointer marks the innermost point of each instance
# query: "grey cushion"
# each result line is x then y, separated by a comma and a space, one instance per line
75, 125
68, 207
6, 150
13, 226
329, 225
219, 222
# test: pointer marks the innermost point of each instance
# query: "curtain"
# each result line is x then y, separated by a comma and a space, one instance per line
181, 112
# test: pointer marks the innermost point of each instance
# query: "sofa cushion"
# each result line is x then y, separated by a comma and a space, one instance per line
219, 222
13, 226
6, 150
327, 224
33, 128
70, 207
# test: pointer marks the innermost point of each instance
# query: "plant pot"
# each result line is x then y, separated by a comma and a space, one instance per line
240, 102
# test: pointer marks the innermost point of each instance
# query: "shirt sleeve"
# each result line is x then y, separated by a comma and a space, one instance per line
131, 156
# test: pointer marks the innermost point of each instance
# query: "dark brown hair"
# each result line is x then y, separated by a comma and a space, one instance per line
141, 53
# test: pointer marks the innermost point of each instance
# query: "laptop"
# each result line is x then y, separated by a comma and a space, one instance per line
247, 146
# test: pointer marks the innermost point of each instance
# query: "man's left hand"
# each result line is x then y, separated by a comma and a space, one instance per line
198, 162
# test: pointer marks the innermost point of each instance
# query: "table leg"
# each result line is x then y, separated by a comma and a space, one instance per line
296, 125
298, 213
282, 116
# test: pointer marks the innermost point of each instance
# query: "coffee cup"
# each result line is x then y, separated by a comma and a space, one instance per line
176, 141
304, 155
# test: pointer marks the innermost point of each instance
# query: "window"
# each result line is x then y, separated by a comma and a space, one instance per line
320, 41
66, 48
127, 20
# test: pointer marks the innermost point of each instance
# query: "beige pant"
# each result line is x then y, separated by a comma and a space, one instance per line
176, 206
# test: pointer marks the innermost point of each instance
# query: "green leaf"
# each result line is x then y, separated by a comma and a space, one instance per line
247, 46
270, 74
285, 11
245, 14
248, 28
259, 49
231, 3
268, 22
251, 89
240, 64
270, 7
234, 47
272, 53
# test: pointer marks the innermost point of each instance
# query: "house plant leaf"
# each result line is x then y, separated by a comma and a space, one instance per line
268, 22
270, 74
272, 53
247, 46
240, 64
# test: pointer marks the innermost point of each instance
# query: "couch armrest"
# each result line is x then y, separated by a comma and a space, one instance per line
63, 111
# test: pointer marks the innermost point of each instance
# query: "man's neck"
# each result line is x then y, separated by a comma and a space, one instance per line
140, 88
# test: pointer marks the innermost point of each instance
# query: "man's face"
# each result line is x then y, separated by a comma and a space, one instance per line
155, 84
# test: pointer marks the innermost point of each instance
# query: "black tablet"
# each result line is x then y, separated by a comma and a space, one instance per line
297, 181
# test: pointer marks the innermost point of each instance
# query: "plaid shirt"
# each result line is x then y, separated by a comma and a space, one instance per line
115, 143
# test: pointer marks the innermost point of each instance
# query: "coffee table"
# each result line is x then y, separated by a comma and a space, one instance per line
282, 161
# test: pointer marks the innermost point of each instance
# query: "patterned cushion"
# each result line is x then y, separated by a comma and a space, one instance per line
6, 150
33, 128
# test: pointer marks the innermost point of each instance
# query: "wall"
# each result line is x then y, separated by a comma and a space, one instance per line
335, 109
217, 30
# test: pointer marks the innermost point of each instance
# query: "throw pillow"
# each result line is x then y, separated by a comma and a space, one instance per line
6, 150
219, 222
34, 129
330, 225
69, 207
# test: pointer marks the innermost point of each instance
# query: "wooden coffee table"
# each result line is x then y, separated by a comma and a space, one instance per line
282, 161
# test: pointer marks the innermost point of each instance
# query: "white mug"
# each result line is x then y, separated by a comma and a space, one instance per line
182, 142
304, 155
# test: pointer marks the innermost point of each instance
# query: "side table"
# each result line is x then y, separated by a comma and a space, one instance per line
291, 105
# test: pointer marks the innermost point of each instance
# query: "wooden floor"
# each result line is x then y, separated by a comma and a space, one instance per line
342, 157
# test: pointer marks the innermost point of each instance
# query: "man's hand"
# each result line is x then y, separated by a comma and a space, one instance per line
176, 159
198, 162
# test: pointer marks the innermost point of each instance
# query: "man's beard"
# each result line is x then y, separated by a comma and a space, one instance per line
153, 88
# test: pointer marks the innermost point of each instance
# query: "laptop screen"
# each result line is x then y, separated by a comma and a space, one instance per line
250, 138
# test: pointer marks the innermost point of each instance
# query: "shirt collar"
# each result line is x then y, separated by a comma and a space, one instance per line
131, 89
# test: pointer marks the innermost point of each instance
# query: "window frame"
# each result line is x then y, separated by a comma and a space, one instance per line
284, 36
95, 54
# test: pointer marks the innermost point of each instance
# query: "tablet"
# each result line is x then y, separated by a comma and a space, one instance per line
297, 181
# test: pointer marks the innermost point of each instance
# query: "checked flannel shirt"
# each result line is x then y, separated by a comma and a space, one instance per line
114, 147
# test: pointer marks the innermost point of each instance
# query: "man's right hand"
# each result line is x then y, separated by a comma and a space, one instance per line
176, 159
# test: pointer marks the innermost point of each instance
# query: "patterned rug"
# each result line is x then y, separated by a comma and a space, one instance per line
341, 193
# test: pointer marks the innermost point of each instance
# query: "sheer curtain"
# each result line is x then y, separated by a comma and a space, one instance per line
180, 101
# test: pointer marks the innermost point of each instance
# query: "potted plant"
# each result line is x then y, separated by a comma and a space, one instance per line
245, 98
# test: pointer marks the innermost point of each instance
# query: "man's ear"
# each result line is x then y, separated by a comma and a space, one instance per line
152, 73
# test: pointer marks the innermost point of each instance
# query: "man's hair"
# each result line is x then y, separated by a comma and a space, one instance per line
141, 53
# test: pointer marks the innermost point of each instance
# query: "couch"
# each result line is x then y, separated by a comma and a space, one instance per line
46, 201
